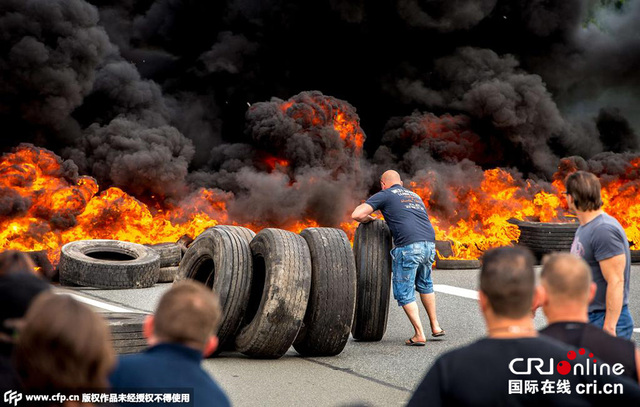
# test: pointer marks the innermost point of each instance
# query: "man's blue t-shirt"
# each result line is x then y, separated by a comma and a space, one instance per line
406, 215
598, 240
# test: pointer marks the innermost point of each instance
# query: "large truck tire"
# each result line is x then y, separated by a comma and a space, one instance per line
372, 247
222, 261
544, 238
327, 322
108, 264
279, 294
245, 233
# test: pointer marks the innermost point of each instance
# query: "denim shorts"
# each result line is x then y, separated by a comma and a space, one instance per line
624, 328
411, 268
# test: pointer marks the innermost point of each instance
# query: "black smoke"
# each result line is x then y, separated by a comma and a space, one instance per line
163, 97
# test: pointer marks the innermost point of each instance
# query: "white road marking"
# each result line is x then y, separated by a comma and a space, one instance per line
473, 294
96, 303
460, 292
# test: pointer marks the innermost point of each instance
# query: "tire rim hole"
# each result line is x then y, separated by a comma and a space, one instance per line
205, 272
109, 255
257, 289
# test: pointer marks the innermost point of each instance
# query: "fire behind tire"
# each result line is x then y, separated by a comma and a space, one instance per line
279, 294
543, 238
327, 322
126, 331
170, 253
108, 264
222, 261
372, 246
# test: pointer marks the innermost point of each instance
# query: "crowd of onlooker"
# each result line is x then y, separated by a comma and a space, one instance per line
50, 342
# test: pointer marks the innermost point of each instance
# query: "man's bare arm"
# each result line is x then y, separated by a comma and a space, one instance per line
363, 213
613, 272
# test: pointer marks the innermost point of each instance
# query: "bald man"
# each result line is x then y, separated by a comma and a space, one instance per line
414, 251
566, 289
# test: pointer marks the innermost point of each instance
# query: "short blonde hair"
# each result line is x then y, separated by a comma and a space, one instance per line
188, 313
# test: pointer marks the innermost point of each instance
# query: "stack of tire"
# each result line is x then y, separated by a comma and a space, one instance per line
279, 289
544, 238
170, 256
126, 332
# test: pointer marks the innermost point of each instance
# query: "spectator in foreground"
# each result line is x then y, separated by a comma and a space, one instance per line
181, 332
566, 291
18, 287
63, 346
485, 372
602, 242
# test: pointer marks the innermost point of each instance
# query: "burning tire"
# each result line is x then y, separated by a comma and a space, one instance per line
543, 238
635, 256
279, 294
126, 332
170, 253
245, 233
222, 261
327, 322
108, 264
372, 246
167, 274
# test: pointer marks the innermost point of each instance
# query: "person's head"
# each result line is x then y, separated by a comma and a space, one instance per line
565, 280
188, 314
583, 192
63, 345
390, 178
14, 261
17, 291
507, 283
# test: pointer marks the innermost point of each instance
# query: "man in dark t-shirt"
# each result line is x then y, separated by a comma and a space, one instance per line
602, 242
414, 251
513, 365
566, 290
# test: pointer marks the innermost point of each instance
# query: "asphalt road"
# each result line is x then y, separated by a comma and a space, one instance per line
374, 374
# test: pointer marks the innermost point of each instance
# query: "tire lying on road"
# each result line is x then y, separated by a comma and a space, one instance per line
108, 264
327, 322
167, 274
372, 246
456, 264
279, 294
635, 256
222, 261
126, 331
245, 233
170, 253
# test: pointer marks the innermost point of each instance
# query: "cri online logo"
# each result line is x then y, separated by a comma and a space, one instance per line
12, 397
521, 366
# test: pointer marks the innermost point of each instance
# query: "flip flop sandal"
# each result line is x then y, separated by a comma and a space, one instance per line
411, 342
437, 334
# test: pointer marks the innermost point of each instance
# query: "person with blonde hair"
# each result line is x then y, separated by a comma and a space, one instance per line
182, 332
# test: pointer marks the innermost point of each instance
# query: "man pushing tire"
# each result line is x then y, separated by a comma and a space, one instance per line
414, 251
